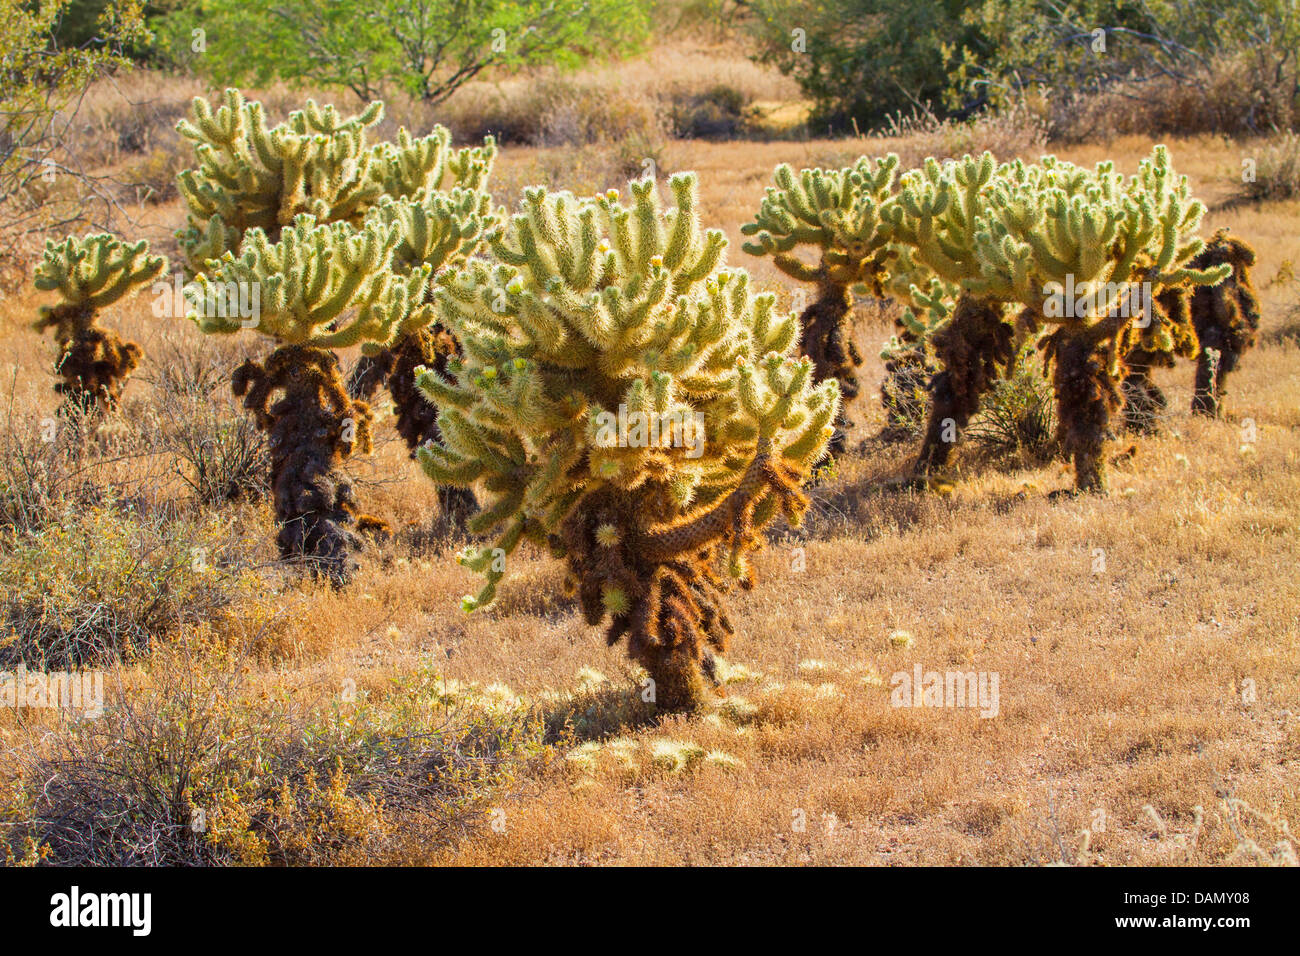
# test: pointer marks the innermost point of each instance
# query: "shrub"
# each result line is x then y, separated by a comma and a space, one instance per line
1019, 414
106, 582
720, 112
226, 456
188, 767
1277, 169
153, 178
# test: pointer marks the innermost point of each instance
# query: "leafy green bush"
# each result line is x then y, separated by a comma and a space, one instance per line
425, 48
862, 60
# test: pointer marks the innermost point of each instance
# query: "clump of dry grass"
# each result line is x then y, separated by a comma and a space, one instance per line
188, 766
1017, 131
1276, 173
684, 90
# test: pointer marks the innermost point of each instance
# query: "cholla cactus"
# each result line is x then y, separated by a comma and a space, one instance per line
90, 274
937, 216
626, 401
836, 213
322, 164
250, 175
437, 231
1087, 253
1226, 318
321, 287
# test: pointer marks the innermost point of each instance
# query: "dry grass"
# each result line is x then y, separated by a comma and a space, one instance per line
1121, 688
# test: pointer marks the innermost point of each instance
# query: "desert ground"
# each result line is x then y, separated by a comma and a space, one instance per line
1146, 643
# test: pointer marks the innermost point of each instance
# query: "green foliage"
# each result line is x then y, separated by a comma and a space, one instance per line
317, 162
862, 60
424, 48
104, 582
1084, 46
1019, 414
326, 286
592, 305
837, 212
96, 271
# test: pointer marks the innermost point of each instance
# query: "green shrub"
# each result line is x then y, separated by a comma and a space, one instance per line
104, 582
1019, 414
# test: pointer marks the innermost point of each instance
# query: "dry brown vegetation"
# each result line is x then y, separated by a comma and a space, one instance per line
1127, 631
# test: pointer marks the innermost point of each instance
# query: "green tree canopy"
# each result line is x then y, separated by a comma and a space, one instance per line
426, 48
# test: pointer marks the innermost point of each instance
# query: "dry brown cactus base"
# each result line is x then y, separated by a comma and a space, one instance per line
313, 427
1226, 318
417, 417
827, 339
662, 588
1086, 398
904, 393
975, 349
94, 362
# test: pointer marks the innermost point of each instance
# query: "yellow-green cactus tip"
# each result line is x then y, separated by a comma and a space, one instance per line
901, 639
615, 600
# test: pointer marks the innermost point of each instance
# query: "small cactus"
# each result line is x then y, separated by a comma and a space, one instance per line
91, 274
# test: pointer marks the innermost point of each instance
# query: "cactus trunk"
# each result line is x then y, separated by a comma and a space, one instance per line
975, 349
1086, 397
1226, 317
1208, 389
369, 373
95, 365
826, 339
313, 428
417, 417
